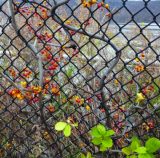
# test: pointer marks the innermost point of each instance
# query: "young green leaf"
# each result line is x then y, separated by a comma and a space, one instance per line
135, 143
101, 137
75, 124
102, 148
97, 141
67, 130
146, 156
69, 72
152, 145
95, 132
83, 156
60, 126
132, 156
108, 142
89, 155
109, 133
101, 129
127, 150
141, 150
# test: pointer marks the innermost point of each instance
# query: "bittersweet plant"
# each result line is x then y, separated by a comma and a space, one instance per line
136, 150
102, 137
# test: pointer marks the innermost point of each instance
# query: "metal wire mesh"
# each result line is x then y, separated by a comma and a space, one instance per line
84, 62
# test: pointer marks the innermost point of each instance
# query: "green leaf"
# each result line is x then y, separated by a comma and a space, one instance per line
97, 141
69, 72
83, 156
109, 133
102, 148
95, 132
60, 126
75, 124
89, 155
67, 130
135, 143
141, 150
108, 142
152, 145
101, 129
146, 156
127, 150
132, 156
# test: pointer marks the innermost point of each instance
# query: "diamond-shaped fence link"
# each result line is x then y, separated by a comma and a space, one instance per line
82, 63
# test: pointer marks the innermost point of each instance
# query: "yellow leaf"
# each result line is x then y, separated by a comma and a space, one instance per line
140, 97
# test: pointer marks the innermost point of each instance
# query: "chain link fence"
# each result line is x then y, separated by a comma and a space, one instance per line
80, 62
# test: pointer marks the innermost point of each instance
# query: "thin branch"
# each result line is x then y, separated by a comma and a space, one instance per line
39, 58
81, 30
115, 151
102, 85
15, 26
81, 89
41, 103
102, 38
38, 4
